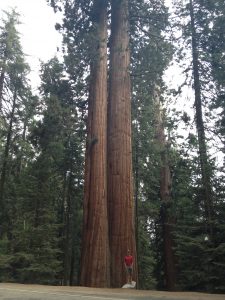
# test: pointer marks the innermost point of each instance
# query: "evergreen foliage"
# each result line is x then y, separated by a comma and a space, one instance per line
43, 139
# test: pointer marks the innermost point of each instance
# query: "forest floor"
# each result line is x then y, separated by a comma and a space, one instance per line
11, 291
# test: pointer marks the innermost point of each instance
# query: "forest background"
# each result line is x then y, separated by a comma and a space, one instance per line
178, 179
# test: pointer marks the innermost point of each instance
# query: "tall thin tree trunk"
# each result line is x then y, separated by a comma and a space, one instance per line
168, 221
20, 155
3, 212
120, 181
95, 247
2, 78
67, 222
206, 182
6, 152
137, 185
72, 265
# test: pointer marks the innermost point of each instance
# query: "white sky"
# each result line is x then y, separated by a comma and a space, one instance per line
39, 38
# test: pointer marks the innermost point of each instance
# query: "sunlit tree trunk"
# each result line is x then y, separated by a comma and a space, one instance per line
120, 182
95, 248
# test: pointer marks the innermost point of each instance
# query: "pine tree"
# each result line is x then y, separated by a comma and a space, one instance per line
203, 156
59, 141
10, 49
167, 218
15, 82
150, 55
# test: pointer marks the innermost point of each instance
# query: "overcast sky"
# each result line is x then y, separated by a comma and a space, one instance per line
39, 38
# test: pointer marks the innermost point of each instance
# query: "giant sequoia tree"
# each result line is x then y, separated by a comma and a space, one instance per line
87, 97
119, 197
120, 183
95, 250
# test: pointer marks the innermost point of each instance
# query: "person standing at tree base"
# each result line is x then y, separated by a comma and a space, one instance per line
128, 262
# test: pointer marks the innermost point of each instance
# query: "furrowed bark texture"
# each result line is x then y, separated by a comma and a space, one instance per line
120, 182
95, 248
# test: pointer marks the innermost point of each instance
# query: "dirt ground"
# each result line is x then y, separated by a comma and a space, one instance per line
126, 293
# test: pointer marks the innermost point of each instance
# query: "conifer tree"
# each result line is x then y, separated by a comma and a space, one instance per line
167, 218
14, 70
120, 179
150, 55
95, 251
198, 20
203, 156
9, 50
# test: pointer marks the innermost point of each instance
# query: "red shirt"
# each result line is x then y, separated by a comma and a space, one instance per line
128, 260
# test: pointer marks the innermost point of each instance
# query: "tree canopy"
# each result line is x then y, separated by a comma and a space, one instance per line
105, 157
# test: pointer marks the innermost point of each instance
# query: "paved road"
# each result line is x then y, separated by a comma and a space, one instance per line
24, 294
38, 292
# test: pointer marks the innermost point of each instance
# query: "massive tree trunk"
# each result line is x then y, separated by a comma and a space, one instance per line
120, 182
205, 170
168, 221
95, 247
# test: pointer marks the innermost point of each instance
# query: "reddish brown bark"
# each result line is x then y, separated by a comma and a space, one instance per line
120, 182
95, 248
168, 225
